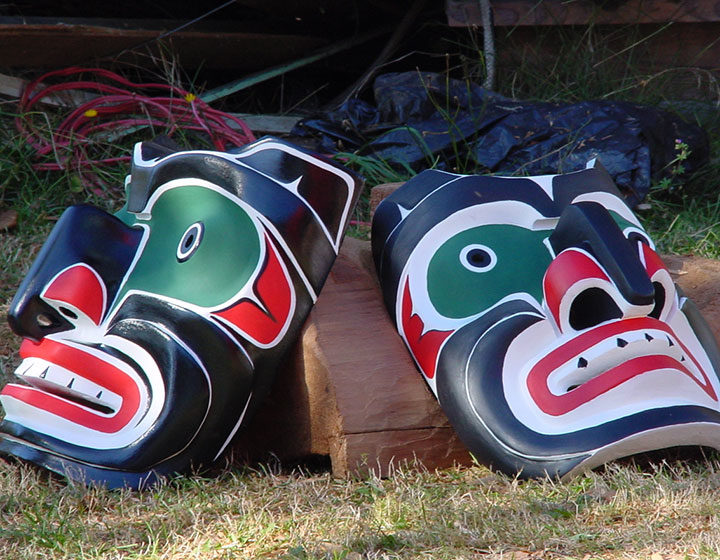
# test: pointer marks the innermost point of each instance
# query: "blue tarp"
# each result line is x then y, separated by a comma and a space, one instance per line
426, 119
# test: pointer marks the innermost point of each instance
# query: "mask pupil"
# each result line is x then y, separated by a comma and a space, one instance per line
479, 258
190, 241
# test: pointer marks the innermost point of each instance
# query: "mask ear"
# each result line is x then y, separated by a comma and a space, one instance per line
319, 185
594, 178
392, 210
141, 172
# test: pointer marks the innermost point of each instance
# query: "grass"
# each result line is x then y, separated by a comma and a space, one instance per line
625, 512
656, 509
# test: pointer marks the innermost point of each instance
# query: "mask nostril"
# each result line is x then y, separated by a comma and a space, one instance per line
44, 320
592, 307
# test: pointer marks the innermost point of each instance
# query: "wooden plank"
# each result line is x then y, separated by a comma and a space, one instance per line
268, 73
351, 391
13, 87
461, 13
382, 452
660, 48
53, 46
270, 124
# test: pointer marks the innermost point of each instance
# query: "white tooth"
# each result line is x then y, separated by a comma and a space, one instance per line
607, 354
23, 367
43, 375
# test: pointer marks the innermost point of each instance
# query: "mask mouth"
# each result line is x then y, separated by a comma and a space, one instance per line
611, 353
602, 358
78, 394
64, 384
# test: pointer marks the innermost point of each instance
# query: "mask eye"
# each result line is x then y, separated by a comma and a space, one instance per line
635, 234
190, 241
478, 258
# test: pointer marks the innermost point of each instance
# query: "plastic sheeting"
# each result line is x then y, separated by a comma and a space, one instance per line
427, 120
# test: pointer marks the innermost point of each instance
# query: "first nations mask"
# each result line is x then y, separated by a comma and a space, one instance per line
151, 335
544, 321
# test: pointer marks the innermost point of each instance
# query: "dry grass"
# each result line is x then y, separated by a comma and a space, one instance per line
667, 512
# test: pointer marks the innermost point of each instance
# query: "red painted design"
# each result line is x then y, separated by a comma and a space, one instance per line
425, 347
557, 405
89, 367
274, 289
568, 268
653, 262
80, 287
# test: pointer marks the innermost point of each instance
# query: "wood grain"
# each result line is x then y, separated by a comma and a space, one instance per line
511, 13
350, 390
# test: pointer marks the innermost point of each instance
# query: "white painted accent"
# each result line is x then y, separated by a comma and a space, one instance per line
235, 428
183, 253
611, 202
464, 262
650, 390
83, 323
42, 374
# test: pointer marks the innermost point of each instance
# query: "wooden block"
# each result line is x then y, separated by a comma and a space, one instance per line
699, 279
380, 193
381, 452
350, 390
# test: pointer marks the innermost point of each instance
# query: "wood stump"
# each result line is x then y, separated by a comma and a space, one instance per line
351, 391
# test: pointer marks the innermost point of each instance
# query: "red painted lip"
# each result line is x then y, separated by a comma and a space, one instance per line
87, 366
557, 405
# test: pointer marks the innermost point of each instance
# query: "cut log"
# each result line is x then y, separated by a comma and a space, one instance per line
350, 390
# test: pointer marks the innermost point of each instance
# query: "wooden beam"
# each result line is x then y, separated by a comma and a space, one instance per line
510, 13
350, 390
60, 45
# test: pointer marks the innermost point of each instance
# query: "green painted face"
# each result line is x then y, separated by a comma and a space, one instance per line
187, 256
477, 267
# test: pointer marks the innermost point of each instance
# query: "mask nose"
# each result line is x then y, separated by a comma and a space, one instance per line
597, 275
78, 270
